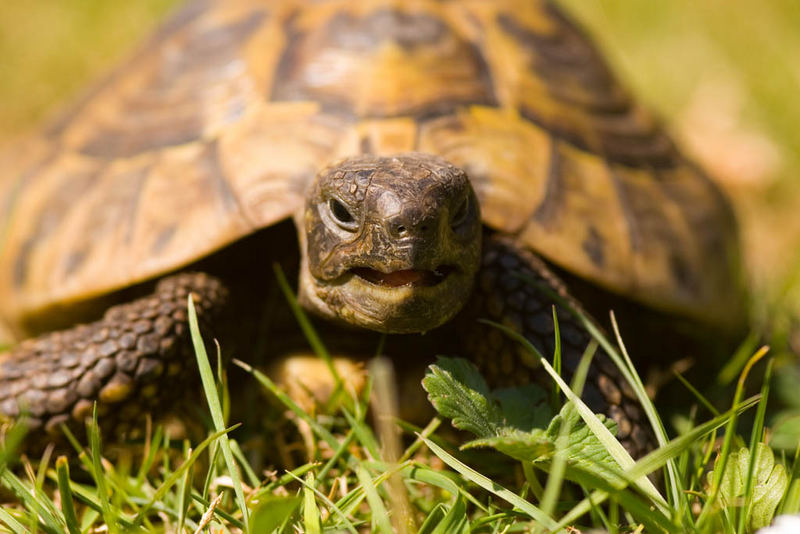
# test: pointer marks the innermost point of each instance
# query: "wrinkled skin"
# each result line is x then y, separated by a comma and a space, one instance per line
389, 243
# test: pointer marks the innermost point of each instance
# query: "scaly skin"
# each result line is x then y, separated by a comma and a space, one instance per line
502, 296
135, 359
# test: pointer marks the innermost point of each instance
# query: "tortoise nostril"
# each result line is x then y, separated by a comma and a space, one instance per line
404, 228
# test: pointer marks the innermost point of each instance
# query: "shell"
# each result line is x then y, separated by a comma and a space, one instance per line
212, 130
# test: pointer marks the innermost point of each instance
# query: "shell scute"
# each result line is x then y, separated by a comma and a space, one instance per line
226, 114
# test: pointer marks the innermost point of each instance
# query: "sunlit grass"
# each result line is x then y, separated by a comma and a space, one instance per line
345, 483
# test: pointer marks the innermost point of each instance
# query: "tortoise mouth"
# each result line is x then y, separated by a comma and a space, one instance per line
405, 277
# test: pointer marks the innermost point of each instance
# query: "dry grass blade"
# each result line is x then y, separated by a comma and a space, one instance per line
209, 514
384, 401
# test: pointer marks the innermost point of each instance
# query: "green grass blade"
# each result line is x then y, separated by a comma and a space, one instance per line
672, 480
429, 429
658, 457
55, 514
493, 522
211, 474
305, 325
71, 519
88, 496
697, 395
595, 332
443, 480
558, 467
730, 432
364, 435
41, 470
11, 442
455, 520
252, 478
791, 501
739, 359
434, 518
755, 437
533, 482
210, 389
173, 478
294, 474
267, 382
98, 474
151, 451
623, 364
350, 502
184, 492
273, 512
32, 501
15, 526
336, 509
380, 517
337, 455
312, 519
615, 449
476, 478
556, 355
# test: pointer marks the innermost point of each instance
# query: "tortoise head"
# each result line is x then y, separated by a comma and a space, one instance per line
389, 243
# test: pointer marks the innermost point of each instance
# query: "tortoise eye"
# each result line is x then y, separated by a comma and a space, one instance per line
341, 214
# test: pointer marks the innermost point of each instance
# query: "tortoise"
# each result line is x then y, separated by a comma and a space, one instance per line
427, 152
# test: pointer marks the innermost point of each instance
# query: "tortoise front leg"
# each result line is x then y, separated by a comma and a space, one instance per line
136, 359
501, 296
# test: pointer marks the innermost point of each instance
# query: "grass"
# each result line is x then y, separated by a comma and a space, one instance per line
563, 469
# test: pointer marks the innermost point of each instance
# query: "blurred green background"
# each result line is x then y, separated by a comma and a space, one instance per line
724, 75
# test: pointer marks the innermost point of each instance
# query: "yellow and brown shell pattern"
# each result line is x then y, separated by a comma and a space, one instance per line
214, 127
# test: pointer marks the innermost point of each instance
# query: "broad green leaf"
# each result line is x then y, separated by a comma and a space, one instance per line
766, 496
583, 449
459, 392
515, 421
769, 484
525, 407
524, 446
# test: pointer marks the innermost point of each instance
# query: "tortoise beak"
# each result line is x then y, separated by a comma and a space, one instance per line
405, 277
